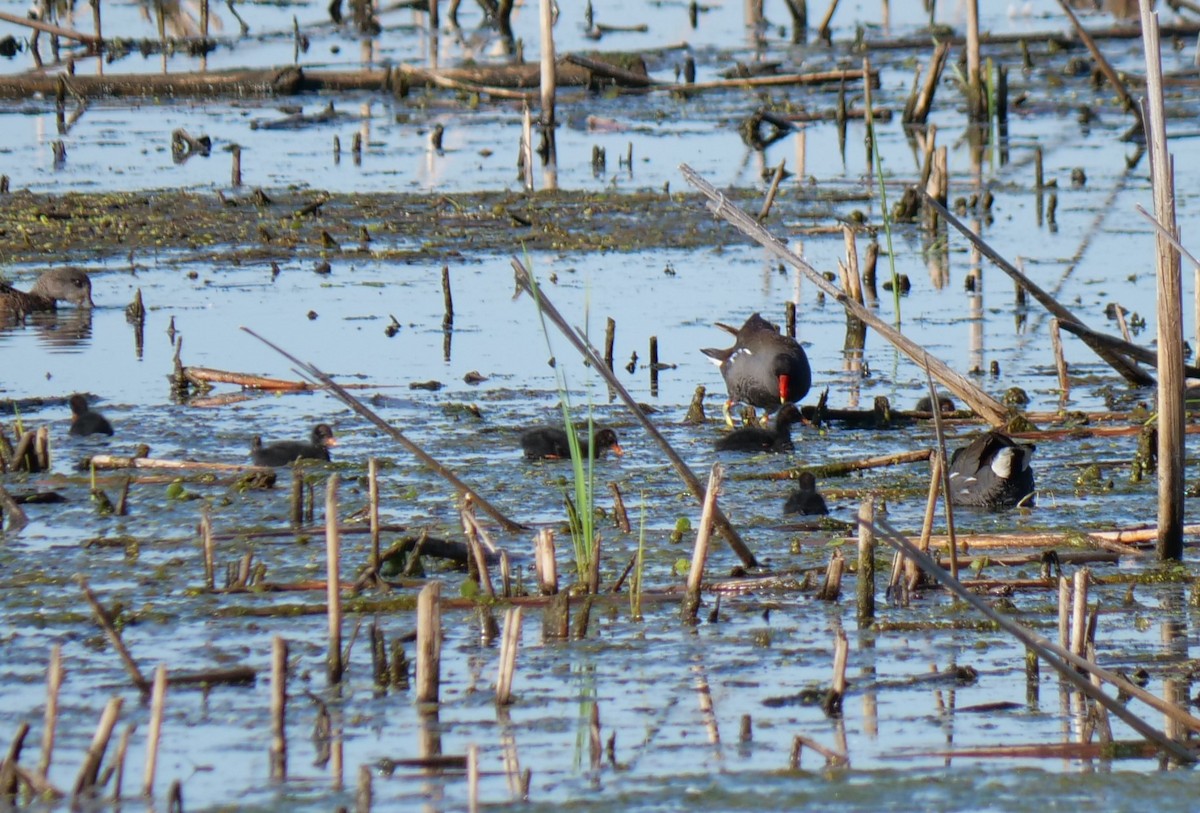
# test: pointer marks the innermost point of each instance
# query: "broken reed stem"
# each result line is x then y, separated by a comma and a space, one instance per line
333, 593
1058, 658
373, 508
509, 644
447, 300
429, 642
117, 768
206, 542
1060, 363
944, 468
106, 624
1079, 612
54, 679
473, 749
832, 588
619, 512
773, 190
158, 698
297, 501
279, 676
1064, 612
610, 335
363, 794
475, 550
837, 690
935, 488
866, 561
1171, 382
505, 575
545, 563
90, 769
691, 601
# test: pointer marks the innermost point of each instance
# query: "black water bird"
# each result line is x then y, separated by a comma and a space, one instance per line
764, 368
992, 471
753, 439
86, 422
66, 284
551, 443
945, 404
289, 451
805, 499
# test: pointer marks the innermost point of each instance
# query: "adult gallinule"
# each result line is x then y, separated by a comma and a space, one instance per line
86, 422
763, 368
753, 439
57, 284
805, 499
992, 472
551, 443
289, 451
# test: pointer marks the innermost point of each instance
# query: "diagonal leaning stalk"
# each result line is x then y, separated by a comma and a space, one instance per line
524, 283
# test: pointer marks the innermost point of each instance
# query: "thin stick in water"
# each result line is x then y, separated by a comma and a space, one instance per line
158, 697
333, 591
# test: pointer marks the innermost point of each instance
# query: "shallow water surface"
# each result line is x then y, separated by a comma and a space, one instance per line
669, 699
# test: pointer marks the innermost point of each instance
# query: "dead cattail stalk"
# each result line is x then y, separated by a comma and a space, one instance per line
976, 102
9, 778
1079, 612
118, 765
916, 111
620, 515
429, 642
373, 509
54, 678
114, 637
823, 29
90, 769
279, 677
1060, 364
525, 161
866, 561
473, 749
1064, 612
691, 601
333, 593
508, 655
773, 190
475, 548
297, 500
610, 335
837, 691
1171, 382
505, 575
544, 562
158, 698
832, 587
235, 179
206, 541
41, 447
363, 794
447, 300
935, 488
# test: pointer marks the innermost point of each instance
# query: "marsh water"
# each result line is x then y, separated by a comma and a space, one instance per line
668, 698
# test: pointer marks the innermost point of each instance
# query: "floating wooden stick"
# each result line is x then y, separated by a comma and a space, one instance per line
509, 645
691, 601
429, 642
157, 701
333, 580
